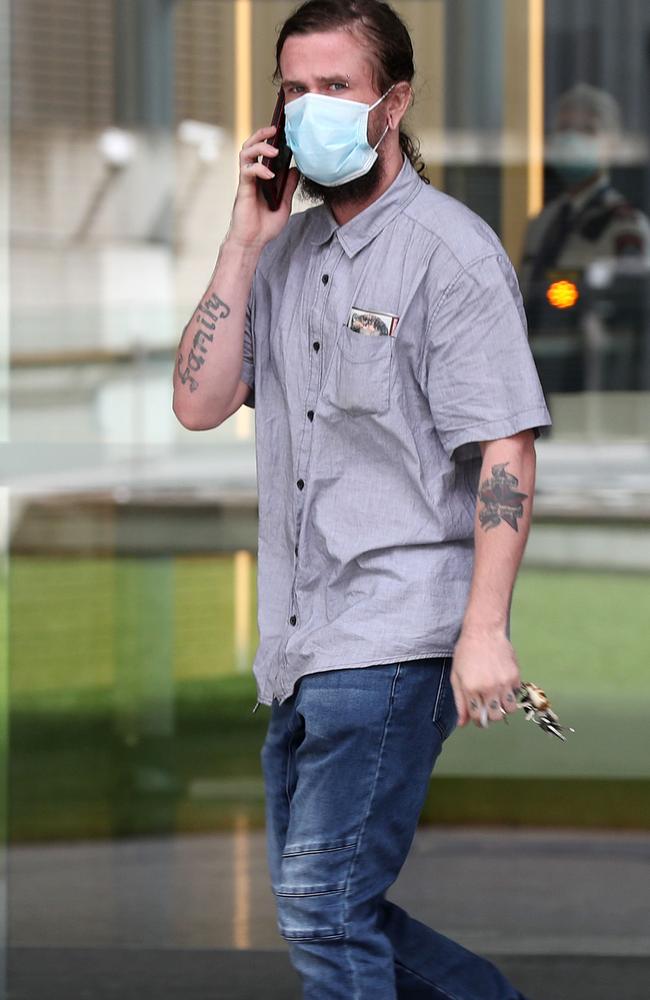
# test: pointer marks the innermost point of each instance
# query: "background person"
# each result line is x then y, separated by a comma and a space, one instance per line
589, 221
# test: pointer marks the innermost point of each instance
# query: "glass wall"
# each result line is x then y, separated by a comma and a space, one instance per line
135, 794
4, 495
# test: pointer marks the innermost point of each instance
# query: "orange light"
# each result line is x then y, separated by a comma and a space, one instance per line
562, 294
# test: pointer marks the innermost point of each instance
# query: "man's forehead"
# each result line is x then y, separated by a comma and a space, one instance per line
326, 55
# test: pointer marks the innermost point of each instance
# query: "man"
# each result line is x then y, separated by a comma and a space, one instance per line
369, 451
589, 221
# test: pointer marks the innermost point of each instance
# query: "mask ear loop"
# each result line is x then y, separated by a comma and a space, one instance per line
380, 140
372, 107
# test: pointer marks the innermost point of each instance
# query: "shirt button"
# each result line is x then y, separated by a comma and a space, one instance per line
325, 278
300, 483
316, 345
310, 414
293, 620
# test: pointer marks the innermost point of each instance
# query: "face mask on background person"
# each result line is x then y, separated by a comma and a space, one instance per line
575, 155
329, 137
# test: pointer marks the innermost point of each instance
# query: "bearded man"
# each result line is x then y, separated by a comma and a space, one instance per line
381, 339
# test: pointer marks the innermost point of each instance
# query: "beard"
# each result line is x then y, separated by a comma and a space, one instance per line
351, 192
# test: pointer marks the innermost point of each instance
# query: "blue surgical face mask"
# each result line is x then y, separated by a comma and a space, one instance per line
329, 137
575, 155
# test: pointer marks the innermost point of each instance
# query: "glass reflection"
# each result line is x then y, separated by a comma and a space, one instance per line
135, 791
586, 263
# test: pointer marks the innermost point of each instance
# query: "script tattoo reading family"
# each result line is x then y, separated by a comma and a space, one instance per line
212, 310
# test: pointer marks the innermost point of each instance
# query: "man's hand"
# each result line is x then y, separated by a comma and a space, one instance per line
253, 223
485, 672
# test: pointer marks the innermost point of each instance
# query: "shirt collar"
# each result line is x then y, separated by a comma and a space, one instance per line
359, 231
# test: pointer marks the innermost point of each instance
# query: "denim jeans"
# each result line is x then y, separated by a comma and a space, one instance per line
346, 762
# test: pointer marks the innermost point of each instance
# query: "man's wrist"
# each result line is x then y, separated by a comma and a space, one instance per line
483, 626
242, 253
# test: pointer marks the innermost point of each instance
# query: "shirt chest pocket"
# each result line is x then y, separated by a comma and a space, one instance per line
361, 371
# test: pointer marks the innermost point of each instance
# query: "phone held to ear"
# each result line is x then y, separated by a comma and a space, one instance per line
273, 189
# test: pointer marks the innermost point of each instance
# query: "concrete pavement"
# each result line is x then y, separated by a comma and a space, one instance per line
567, 912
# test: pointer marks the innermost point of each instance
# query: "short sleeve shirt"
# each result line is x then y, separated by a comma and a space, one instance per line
380, 353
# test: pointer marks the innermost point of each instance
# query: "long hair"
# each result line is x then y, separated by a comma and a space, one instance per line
381, 28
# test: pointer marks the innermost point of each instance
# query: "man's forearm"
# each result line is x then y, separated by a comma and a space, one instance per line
503, 514
209, 356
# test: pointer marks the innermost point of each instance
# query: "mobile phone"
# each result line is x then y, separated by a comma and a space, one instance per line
273, 189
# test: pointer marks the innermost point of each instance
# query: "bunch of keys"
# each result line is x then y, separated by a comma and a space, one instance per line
537, 707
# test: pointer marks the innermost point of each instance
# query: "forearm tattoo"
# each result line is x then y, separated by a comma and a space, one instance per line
502, 501
210, 312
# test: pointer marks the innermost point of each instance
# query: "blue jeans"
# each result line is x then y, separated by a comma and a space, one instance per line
347, 761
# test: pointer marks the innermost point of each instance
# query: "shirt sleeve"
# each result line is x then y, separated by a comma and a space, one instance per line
248, 359
477, 367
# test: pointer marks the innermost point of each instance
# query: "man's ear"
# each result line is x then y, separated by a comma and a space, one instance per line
399, 100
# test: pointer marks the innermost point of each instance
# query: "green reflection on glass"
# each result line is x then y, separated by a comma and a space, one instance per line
129, 716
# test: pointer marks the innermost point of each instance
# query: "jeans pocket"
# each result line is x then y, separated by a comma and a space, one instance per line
360, 381
445, 713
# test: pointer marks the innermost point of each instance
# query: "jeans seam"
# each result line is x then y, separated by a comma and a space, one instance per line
290, 744
318, 850
301, 895
380, 755
438, 702
336, 936
286, 778
440, 686
429, 982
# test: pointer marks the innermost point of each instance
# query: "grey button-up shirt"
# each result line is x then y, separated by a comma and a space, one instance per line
367, 445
